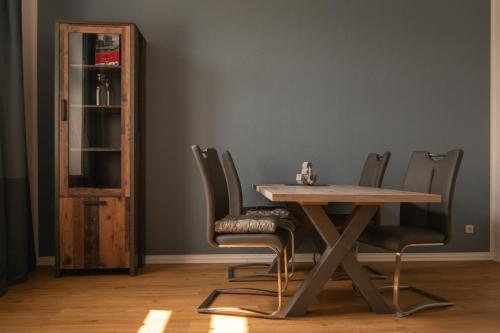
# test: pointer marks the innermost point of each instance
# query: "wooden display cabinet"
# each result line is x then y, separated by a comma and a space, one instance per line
99, 117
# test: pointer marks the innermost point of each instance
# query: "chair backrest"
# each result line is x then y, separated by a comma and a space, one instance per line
214, 184
374, 169
234, 184
431, 173
373, 173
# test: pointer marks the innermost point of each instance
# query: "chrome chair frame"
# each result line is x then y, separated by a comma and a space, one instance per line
396, 288
236, 208
204, 307
231, 270
217, 207
430, 173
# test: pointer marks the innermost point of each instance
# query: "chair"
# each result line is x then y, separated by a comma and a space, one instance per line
286, 220
263, 233
372, 175
422, 224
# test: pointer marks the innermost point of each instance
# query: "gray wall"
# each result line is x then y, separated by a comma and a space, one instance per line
282, 81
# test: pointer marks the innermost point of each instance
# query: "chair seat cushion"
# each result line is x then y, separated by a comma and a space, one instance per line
395, 237
288, 220
275, 240
243, 224
280, 212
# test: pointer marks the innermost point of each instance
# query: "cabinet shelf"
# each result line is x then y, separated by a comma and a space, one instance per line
91, 107
97, 149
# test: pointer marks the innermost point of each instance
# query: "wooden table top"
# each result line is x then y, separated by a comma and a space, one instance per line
340, 193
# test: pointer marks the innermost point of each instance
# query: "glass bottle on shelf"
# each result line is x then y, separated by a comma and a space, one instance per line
102, 90
98, 90
108, 99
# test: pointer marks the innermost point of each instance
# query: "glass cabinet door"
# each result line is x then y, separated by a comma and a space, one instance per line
93, 110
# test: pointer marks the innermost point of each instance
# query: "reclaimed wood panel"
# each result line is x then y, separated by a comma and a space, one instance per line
71, 229
126, 106
113, 234
91, 236
93, 29
94, 233
63, 78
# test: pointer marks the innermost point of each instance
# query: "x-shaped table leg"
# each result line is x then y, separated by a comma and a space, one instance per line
304, 232
337, 252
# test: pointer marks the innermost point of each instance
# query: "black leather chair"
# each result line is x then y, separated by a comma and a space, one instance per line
425, 224
261, 232
286, 220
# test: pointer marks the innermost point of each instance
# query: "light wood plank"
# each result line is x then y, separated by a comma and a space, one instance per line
119, 303
341, 193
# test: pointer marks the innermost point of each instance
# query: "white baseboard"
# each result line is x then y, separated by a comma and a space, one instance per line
437, 256
301, 257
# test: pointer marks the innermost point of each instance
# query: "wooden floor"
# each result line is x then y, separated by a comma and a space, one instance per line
163, 298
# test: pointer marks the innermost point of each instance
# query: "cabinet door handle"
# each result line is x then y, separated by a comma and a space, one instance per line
64, 110
94, 203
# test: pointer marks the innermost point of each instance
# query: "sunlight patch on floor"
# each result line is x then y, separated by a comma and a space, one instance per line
155, 321
228, 324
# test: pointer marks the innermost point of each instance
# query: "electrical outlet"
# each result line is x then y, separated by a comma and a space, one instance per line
469, 228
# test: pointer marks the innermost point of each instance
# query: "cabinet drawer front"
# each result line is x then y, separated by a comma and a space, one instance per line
94, 233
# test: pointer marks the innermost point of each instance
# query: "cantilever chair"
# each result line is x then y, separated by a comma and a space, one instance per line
237, 231
286, 221
372, 175
425, 224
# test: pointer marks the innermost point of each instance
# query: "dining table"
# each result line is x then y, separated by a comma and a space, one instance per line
336, 245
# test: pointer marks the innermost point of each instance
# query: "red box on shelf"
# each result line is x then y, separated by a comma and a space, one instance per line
107, 50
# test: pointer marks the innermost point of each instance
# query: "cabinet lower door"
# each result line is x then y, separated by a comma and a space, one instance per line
93, 232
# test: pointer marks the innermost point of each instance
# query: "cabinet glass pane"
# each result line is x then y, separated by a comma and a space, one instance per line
94, 110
